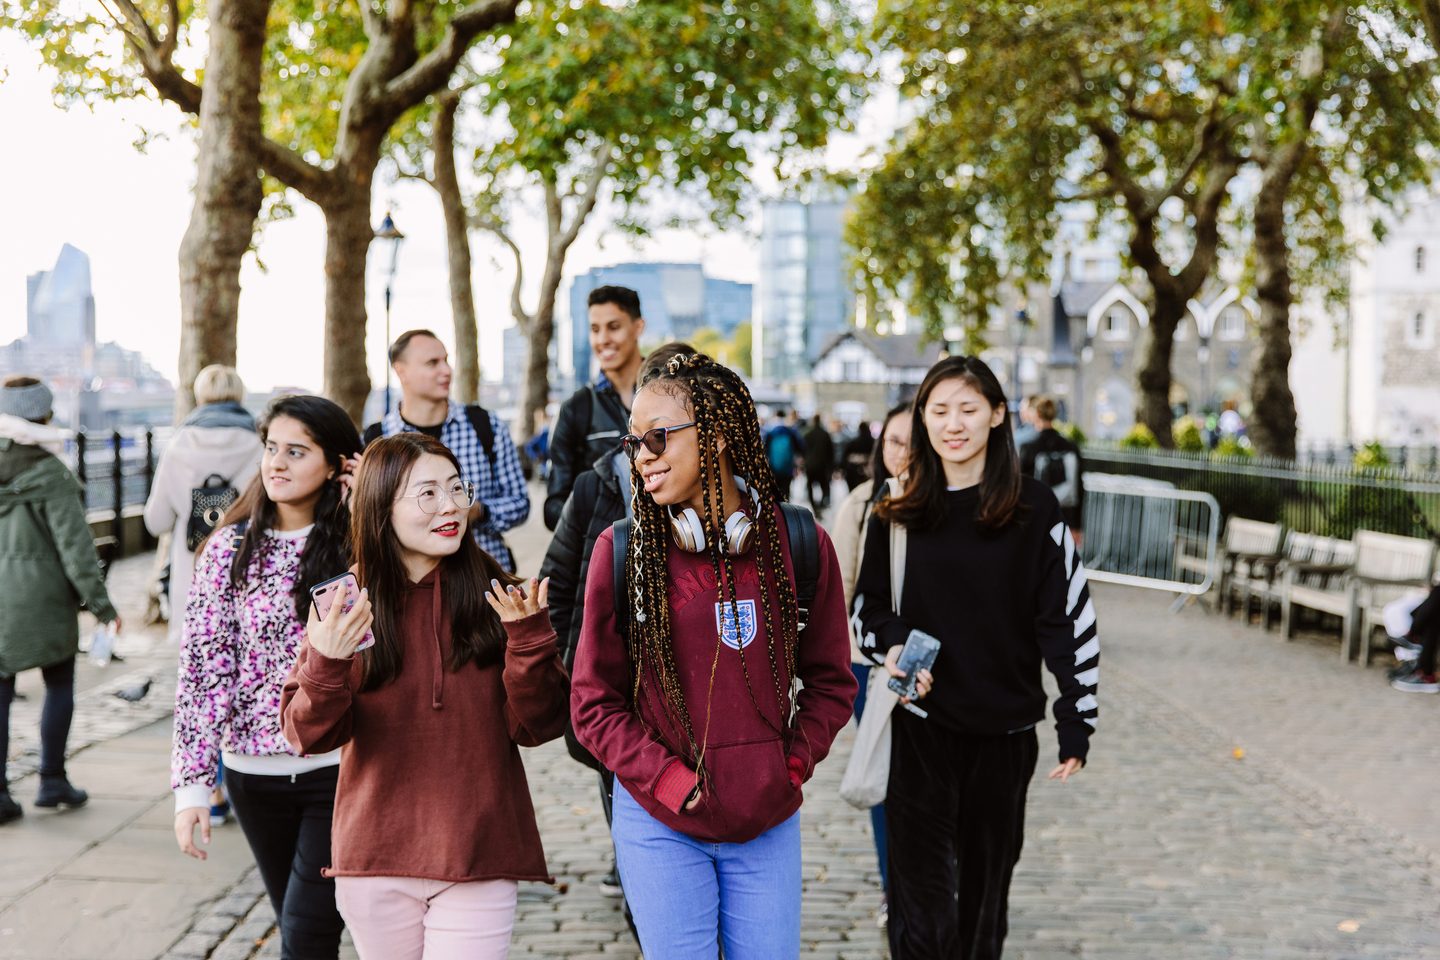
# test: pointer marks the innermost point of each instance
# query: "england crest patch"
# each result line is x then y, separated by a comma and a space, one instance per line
732, 633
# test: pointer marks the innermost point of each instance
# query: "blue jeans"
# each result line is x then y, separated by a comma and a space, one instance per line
690, 896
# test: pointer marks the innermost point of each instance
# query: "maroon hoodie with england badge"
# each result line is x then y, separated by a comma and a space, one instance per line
754, 772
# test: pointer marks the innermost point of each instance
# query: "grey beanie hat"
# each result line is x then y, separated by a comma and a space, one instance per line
33, 402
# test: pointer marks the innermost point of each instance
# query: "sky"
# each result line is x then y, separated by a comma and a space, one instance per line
74, 176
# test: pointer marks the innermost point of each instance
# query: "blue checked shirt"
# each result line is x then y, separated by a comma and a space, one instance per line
499, 486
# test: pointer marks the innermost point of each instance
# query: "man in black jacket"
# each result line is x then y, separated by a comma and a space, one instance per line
595, 417
600, 496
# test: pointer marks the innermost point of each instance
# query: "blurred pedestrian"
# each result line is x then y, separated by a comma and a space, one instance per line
690, 693
479, 439
819, 463
855, 456
592, 421
848, 531
434, 824
216, 445
785, 451
244, 622
991, 573
49, 570
1055, 461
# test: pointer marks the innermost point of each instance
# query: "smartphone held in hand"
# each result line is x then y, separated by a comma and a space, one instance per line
323, 595
918, 654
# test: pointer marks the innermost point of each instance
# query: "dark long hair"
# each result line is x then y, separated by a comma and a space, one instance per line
922, 504
721, 405
477, 636
878, 473
327, 550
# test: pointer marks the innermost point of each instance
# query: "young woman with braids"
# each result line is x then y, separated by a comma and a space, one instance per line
244, 621
433, 820
992, 572
691, 701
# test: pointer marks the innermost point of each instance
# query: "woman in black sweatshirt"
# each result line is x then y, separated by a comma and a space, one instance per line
992, 572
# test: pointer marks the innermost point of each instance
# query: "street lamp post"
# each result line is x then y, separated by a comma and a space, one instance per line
388, 232
1203, 355
1022, 322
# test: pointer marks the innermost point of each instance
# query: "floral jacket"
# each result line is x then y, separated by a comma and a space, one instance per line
237, 649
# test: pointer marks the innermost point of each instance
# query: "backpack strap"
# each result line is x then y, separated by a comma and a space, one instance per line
804, 557
238, 535
483, 426
621, 530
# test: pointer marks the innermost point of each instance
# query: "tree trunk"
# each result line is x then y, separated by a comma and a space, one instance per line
348, 234
227, 192
540, 334
457, 240
1154, 377
1272, 422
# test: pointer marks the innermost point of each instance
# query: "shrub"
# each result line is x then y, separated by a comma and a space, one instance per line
1140, 437
1188, 437
1372, 456
1233, 447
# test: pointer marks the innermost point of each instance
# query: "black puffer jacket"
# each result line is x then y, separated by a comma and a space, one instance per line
597, 501
588, 426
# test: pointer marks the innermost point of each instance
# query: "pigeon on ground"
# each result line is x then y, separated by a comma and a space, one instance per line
135, 693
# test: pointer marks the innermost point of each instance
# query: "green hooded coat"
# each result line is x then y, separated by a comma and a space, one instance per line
48, 565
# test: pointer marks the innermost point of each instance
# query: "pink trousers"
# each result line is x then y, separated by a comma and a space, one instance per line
401, 918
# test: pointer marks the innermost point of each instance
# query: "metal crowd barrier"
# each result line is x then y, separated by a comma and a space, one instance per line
1147, 533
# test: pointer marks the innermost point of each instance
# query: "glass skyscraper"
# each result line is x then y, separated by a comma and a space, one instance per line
805, 297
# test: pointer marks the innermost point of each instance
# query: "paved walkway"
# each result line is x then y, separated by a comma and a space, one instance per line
1316, 844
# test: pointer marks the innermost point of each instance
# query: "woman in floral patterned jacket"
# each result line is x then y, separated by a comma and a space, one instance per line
244, 621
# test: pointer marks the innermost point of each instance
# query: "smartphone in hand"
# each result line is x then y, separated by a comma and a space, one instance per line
323, 595
919, 653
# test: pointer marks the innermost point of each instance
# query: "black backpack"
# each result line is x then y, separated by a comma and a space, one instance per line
208, 503
479, 419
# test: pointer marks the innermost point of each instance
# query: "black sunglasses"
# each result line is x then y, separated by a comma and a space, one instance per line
654, 440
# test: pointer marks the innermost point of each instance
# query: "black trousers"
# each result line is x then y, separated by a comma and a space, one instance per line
287, 824
55, 715
955, 815
1425, 627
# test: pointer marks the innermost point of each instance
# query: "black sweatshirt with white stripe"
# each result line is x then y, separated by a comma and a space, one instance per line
1000, 603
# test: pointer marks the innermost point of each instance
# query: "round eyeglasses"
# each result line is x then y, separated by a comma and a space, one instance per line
429, 500
652, 440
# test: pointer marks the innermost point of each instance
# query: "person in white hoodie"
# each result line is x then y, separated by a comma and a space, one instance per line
217, 438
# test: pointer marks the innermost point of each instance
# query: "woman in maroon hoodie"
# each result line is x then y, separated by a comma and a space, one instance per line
433, 820
692, 702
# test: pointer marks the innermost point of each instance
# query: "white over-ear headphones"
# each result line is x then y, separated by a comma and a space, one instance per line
689, 530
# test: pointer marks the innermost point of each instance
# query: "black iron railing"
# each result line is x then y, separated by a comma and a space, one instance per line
1312, 497
116, 470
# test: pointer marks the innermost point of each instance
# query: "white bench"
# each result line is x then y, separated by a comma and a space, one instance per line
1248, 558
1356, 589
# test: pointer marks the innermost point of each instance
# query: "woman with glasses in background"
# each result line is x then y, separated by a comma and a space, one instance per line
433, 820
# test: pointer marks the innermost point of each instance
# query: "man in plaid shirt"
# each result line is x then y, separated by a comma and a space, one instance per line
422, 366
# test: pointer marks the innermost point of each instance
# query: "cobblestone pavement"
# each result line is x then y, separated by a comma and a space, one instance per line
1314, 843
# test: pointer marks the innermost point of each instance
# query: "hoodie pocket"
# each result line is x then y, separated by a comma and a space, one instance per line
750, 788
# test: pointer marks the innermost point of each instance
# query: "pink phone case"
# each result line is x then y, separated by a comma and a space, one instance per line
324, 594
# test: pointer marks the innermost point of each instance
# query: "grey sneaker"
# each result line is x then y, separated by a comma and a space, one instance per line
1416, 682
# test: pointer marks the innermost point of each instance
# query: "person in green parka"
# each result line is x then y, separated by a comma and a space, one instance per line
48, 570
